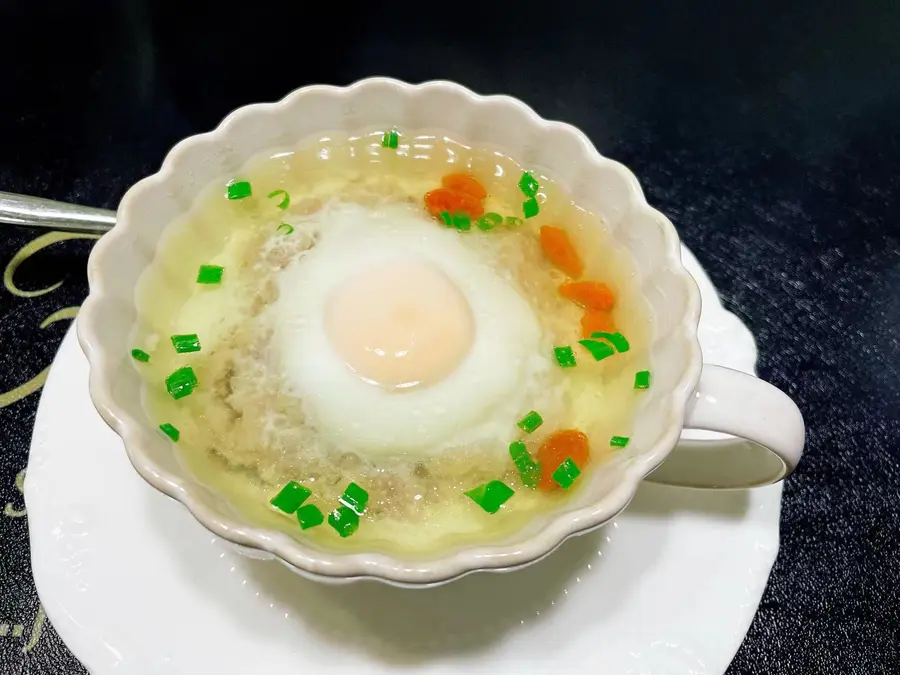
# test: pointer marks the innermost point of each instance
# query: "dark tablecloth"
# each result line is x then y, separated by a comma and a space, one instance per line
768, 132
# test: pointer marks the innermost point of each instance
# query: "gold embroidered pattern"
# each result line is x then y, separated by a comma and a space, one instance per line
38, 380
29, 250
11, 510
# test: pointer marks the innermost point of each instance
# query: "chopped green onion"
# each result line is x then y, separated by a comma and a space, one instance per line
528, 185
285, 199
619, 441
566, 473
489, 221
617, 339
181, 383
344, 520
355, 498
530, 422
309, 516
599, 350
518, 451
140, 355
565, 357
210, 274
642, 379
186, 343
390, 140
170, 431
530, 207
447, 218
239, 190
529, 471
285, 228
513, 221
291, 497
462, 222
491, 496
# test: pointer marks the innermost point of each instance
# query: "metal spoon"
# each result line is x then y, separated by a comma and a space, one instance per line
47, 214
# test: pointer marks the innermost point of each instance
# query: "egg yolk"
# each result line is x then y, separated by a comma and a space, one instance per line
400, 325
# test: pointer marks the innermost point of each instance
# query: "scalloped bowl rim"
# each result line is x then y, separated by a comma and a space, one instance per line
333, 566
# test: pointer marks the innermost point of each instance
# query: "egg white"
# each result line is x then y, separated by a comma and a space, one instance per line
480, 401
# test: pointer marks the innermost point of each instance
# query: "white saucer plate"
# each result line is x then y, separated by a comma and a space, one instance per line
135, 586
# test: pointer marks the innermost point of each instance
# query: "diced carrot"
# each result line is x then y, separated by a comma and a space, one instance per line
556, 449
597, 321
558, 250
588, 294
463, 182
443, 199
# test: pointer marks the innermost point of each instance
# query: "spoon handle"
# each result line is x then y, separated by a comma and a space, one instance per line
44, 213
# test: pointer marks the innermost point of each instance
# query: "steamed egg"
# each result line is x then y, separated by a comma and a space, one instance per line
398, 337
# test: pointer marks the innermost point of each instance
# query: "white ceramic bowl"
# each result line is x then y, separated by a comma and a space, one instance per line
562, 151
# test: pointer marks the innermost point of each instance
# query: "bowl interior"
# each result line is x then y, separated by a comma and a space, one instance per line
596, 183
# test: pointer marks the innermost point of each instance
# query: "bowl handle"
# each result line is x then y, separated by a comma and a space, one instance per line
767, 423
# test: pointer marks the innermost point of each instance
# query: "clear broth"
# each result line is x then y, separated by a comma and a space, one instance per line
226, 439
